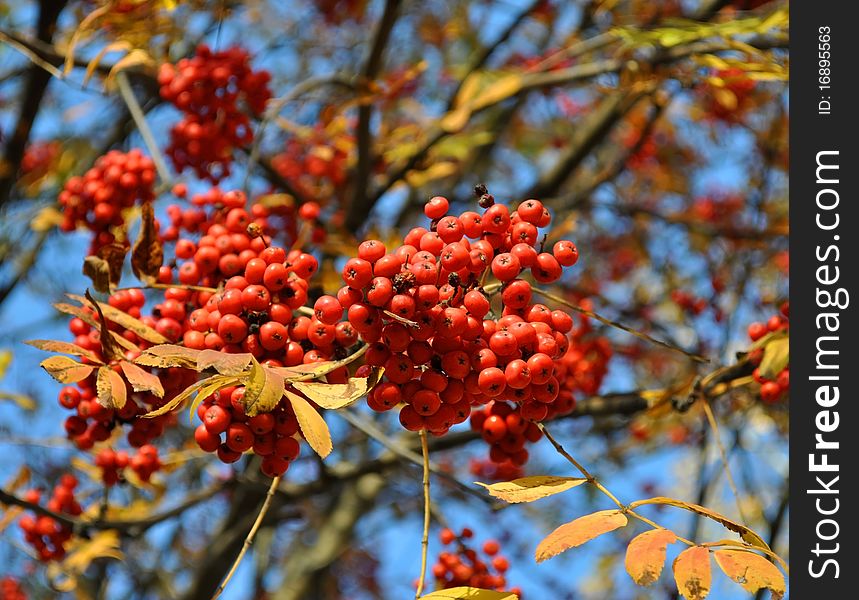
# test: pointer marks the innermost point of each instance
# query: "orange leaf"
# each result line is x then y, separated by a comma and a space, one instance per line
575, 533
110, 388
692, 573
66, 370
645, 555
528, 489
140, 380
752, 571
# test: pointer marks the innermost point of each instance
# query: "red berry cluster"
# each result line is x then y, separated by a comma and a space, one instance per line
465, 566
425, 312
38, 159
505, 429
10, 589
688, 302
112, 464
216, 91
270, 435
47, 535
316, 166
771, 390
96, 200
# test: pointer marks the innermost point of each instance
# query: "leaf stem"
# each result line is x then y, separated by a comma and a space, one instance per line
250, 537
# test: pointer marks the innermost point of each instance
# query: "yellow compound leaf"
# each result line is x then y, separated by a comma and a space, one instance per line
747, 534
752, 571
140, 380
110, 388
263, 389
66, 370
223, 363
332, 396
528, 489
314, 429
692, 573
577, 532
211, 385
164, 356
645, 555
64, 348
312, 371
469, 593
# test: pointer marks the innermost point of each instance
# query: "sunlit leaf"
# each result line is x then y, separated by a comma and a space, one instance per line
110, 388
645, 555
223, 363
64, 348
140, 380
164, 356
66, 370
332, 396
752, 571
469, 593
577, 532
528, 489
263, 389
747, 534
314, 429
136, 326
692, 573
776, 358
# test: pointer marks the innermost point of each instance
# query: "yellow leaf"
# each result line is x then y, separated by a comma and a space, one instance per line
577, 532
436, 171
125, 320
93, 64
314, 429
752, 571
5, 361
46, 219
469, 593
66, 370
468, 90
747, 534
455, 120
332, 396
263, 389
692, 573
140, 380
111, 388
135, 58
63, 347
528, 489
213, 383
776, 357
506, 87
98, 271
223, 363
164, 356
317, 370
22, 400
645, 555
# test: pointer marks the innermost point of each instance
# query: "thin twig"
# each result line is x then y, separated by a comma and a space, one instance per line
142, 126
714, 425
615, 324
250, 537
425, 537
